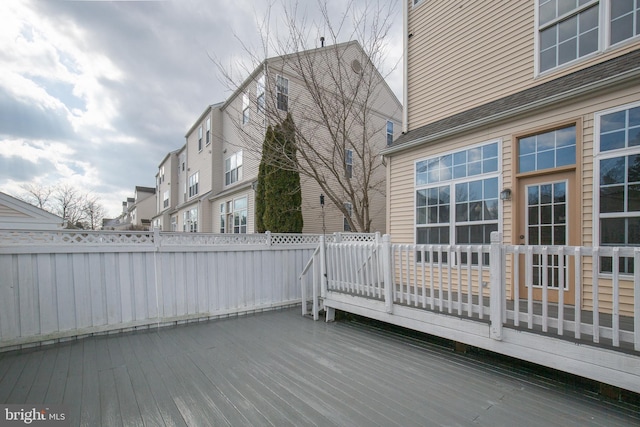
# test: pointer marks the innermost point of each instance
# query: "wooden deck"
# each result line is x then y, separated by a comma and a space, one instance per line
278, 368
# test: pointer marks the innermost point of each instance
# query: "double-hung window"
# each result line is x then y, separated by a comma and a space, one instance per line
349, 208
240, 215
200, 138
617, 182
348, 163
282, 93
568, 30
389, 132
208, 130
165, 199
233, 168
245, 108
456, 198
193, 184
260, 94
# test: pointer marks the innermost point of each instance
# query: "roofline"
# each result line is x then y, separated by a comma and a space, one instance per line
563, 96
204, 113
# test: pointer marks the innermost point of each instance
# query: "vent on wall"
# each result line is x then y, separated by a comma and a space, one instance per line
356, 66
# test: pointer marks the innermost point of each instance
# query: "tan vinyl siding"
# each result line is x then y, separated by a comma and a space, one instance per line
462, 55
402, 170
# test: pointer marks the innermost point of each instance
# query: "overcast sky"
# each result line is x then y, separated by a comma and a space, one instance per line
96, 93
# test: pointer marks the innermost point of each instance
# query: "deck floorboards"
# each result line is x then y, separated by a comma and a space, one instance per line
280, 369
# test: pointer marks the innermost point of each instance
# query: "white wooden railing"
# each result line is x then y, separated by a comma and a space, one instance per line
439, 279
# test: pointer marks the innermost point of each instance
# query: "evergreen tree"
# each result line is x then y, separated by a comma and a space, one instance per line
279, 190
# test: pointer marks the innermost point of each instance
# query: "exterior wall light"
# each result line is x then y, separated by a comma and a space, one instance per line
505, 194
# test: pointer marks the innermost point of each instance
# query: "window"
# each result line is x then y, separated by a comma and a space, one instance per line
200, 138
165, 199
208, 130
240, 215
547, 150
193, 184
174, 223
568, 30
349, 208
617, 179
222, 218
233, 168
625, 20
282, 93
260, 94
348, 163
456, 199
182, 161
389, 132
245, 109
161, 178
190, 220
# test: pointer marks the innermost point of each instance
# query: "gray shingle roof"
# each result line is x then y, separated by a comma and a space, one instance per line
618, 69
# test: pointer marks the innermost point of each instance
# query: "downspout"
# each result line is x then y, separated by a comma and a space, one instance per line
405, 45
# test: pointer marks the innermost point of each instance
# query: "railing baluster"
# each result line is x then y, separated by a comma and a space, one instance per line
480, 283
529, 283
596, 308
449, 299
578, 293
440, 278
458, 253
469, 287
401, 265
431, 294
545, 288
561, 290
424, 289
516, 286
636, 299
615, 325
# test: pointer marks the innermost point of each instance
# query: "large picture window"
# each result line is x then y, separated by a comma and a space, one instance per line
617, 167
457, 198
568, 30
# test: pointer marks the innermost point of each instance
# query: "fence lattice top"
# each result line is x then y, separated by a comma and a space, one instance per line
116, 238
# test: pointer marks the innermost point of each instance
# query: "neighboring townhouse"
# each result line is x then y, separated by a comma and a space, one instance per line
523, 118
167, 195
16, 214
218, 165
137, 211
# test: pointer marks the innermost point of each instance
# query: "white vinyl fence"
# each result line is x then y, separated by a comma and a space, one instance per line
57, 285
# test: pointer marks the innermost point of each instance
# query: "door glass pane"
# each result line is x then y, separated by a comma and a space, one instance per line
546, 224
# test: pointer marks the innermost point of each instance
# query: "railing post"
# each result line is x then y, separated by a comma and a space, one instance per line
156, 237
495, 278
323, 268
387, 272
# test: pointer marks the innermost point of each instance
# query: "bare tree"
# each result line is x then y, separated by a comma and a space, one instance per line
68, 204
338, 117
93, 212
37, 195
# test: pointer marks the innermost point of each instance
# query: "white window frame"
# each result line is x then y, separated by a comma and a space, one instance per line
233, 163
260, 94
282, 83
348, 163
389, 132
245, 108
599, 155
190, 220
604, 33
165, 199
200, 138
208, 134
174, 223
451, 183
345, 223
223, 217
239, 228
193, 184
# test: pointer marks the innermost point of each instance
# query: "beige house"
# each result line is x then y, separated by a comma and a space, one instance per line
209, 184
522, 118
